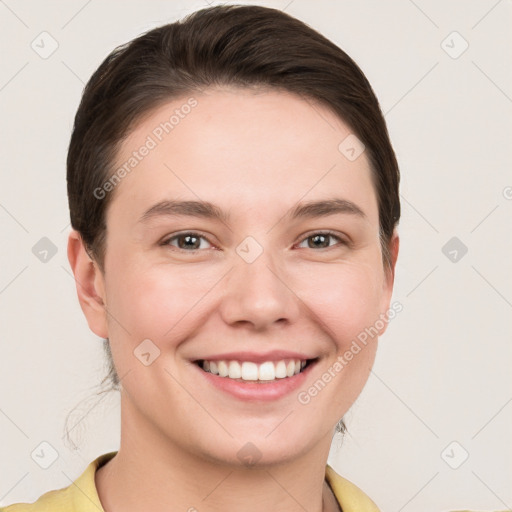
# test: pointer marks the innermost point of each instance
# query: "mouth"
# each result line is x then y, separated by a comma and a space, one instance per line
249, 371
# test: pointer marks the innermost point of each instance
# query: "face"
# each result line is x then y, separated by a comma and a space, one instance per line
261, 275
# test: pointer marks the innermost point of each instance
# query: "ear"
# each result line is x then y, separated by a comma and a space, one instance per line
90, 285
389, 278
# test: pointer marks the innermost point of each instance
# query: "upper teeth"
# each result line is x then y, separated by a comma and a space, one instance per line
248, 370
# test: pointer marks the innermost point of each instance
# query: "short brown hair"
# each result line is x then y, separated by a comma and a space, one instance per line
233, 45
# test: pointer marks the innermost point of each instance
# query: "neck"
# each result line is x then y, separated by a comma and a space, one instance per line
154, 473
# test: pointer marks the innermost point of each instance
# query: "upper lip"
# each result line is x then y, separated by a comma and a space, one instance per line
255, 357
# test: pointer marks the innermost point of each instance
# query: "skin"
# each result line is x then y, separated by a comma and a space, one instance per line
255, 154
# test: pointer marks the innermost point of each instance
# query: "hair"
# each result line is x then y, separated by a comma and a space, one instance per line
243, 46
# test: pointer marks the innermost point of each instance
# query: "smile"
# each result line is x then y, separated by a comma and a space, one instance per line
267, 371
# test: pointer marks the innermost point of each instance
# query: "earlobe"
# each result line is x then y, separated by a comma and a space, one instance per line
89, 285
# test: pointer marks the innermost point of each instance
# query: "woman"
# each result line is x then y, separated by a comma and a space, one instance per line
234, 201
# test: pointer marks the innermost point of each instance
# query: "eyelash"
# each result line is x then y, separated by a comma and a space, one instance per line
167, 241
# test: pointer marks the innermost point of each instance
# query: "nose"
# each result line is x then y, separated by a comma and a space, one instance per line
259, 294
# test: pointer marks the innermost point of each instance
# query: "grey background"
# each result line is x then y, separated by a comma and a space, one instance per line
442, 373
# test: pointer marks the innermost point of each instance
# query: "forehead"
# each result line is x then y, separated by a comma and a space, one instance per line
250, 147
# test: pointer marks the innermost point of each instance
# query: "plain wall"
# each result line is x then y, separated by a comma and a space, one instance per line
442, 372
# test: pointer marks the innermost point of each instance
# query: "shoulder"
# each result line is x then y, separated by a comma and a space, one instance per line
54, 501
80, 496
350, 497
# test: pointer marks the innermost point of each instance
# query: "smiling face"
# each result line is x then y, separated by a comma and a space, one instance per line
246, 272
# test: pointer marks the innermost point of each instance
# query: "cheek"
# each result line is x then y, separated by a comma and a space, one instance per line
154, 304
345, 297
149, 303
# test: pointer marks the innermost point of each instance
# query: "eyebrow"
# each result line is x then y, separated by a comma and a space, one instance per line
207, 210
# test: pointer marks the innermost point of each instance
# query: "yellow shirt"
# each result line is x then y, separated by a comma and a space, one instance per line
82, 496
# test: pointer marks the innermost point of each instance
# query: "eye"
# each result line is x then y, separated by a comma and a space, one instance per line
188, 242
320, 240
191, 241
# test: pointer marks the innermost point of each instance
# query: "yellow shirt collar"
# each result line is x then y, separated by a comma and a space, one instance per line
82, 495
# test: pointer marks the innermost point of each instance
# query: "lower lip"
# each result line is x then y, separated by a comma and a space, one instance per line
254, 391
